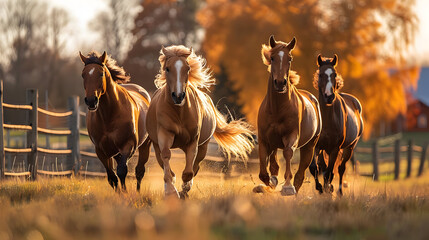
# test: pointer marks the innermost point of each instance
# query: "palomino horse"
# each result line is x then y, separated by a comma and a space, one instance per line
116, 120
288, 119
182, 116
342, 124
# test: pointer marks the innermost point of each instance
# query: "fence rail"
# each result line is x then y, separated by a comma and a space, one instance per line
382, 150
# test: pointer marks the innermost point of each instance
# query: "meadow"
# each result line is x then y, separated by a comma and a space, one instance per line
79, 208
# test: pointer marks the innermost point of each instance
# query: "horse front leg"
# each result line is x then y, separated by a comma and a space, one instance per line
264, 153
306, 154
165, 141
329, 173
314, 170
188, 173
347, 154
144, 151
108, 165
289, 144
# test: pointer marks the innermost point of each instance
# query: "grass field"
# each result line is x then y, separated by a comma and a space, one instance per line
217, 209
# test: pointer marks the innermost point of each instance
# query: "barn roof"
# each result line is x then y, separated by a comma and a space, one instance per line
422, 92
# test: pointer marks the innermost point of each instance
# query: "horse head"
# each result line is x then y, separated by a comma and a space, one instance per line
94, 79
327, 79
278, 57
176, 69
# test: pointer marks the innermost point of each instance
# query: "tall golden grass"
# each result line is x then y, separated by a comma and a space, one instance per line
217, 209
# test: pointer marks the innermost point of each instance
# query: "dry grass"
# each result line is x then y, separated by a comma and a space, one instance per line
217, 209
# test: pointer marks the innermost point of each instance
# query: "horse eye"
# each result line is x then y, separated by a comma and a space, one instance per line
272, 59
167, 69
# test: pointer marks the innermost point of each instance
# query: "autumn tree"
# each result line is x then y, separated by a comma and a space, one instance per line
162, 22
370, 37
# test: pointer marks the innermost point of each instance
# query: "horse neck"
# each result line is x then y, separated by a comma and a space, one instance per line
332, 110
109, 103
278, 100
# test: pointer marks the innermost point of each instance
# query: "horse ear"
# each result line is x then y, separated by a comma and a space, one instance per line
319, 60
335, 60
291, 44
272, 41
82, 58
103, 57
163, 50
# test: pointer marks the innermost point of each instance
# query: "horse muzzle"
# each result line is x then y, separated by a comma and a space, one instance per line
329, 99
280, 86
92, 103
178, 98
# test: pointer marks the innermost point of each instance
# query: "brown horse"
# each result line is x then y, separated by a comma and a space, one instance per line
116, 120
182, 116
342, 124
288, 119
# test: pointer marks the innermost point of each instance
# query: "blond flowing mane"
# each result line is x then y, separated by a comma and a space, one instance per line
266, 52
339, 81
199, 76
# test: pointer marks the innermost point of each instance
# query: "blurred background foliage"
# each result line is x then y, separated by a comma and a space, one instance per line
371, 38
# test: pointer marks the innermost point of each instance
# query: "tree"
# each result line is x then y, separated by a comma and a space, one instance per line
162, 22
114, 27
359, 31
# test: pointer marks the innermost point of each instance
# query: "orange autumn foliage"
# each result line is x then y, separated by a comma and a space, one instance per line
369, 36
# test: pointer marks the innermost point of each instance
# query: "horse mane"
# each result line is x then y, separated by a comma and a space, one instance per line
266, 52
200, 76
118, 73
339, 81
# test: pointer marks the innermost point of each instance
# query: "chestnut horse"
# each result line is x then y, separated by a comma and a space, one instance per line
116, 120
183, 116
342, 124
288, 119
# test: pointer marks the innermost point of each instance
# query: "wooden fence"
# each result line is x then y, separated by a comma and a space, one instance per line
390, 146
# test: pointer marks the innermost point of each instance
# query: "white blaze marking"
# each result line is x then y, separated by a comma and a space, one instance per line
328, 88
281, 54
178, 66
91, 71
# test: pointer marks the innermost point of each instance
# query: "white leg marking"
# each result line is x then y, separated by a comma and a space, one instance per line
91, 71
178, 66
328, 89
281, 54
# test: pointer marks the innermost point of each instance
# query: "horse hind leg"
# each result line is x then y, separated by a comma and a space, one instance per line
144, 151
314, 170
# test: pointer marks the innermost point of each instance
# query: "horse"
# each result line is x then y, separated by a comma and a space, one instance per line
182, 116
288, 118
116, 119
342, 124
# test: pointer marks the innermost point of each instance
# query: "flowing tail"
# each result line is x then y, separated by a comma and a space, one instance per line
234, 137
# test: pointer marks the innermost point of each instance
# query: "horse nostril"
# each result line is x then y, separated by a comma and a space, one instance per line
173, 94
86, 101
275, 81
284, 82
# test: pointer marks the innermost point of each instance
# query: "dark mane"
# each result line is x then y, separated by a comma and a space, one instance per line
339, 81
118, 73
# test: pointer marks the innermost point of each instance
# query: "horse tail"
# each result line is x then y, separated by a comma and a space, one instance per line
234, 137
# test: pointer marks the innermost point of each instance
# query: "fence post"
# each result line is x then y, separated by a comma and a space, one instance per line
73, 140
397, 157
409, 157
375, 157
422, 159
32, 99
2, 156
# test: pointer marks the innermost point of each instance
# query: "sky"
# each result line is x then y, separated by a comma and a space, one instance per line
83, 11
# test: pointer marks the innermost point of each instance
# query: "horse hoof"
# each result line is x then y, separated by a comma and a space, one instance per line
170, 191
273, 182
261, 189
288, 190
183, 195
